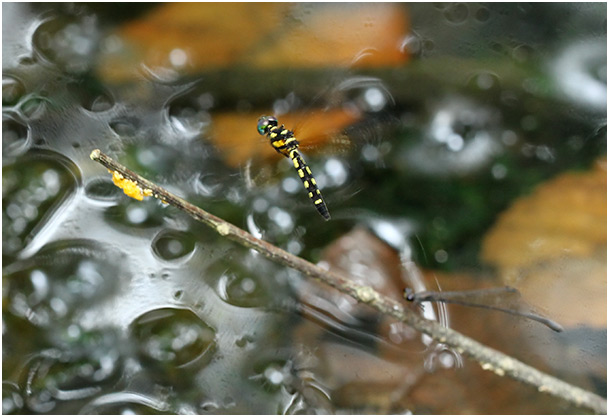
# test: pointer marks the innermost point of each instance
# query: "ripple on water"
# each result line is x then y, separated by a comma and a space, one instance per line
79, 366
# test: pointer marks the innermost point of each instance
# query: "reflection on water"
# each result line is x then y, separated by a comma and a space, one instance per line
111, 305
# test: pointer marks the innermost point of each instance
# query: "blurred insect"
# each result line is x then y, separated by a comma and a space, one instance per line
284, 142
505, 299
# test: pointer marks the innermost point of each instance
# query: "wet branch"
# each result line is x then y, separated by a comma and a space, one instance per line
488, 358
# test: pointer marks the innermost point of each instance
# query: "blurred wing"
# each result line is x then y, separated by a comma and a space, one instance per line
235, 137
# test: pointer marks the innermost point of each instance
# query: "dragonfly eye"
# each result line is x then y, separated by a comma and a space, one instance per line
264, 122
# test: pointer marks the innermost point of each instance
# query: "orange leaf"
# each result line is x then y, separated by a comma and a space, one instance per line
359, 35
193, 37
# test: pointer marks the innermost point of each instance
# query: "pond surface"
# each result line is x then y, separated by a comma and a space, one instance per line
428, 128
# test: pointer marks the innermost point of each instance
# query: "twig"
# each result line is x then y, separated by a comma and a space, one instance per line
488, 358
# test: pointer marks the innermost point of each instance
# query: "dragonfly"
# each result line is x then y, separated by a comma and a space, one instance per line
284, 142
505, 299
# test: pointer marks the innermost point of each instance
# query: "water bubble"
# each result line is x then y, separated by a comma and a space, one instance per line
241, 289
523, 52
482, 14
412, 44
486, 80
455, 142
456, 13
294, 247
336, 171
34, 187
375, 99
67, 42
15, 136
102, 189
32, 106
136, 214
12, 90
291, 185
282, 218
461, 138
178, 57
91, 96
499, 171
441, 256
173, 337
581, 73
509, 137
126, 127
261, 205
273, 374
12, 400
529, 123
370, 153
188, 115
59, 279
172, 244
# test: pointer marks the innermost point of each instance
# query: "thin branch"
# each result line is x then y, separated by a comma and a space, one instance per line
488, 358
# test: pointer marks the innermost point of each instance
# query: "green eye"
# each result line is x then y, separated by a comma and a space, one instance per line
264, 122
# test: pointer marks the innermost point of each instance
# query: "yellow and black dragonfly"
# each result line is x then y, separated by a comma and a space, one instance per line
284, 142
317, 129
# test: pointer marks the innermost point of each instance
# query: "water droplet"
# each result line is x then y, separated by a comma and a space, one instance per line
67, 42
456, 13
173, 337
12, 90
499, 171
188, 115
102, 189
171, 244
375, 99
238, 286
59, 279
12, 401
32, 107
282, 218
126, 127
441, 256
15, 137
91, 96
178, 58
34, 187
272, 375
482, 14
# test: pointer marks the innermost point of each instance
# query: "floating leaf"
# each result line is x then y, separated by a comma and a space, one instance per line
552, 244
192, 37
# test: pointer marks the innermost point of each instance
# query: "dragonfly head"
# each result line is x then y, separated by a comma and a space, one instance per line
265, 123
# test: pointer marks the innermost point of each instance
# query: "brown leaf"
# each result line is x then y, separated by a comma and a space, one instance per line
359, 35
552, 246
212, 36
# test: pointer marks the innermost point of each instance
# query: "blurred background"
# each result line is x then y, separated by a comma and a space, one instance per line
457, 146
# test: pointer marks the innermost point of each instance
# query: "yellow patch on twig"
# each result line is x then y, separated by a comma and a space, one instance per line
129, 187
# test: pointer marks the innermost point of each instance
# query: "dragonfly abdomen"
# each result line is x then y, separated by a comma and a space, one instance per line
305, 174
